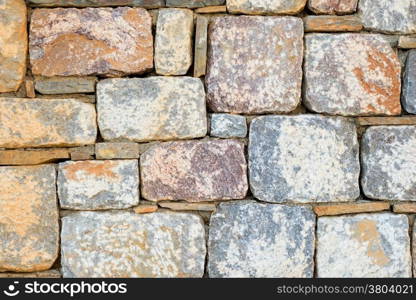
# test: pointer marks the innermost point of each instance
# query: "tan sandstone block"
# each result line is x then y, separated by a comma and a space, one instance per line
340, 209
188, 206
407, 42
145, 208
32, 157
42, 274
404, 120
332, 23
409, 208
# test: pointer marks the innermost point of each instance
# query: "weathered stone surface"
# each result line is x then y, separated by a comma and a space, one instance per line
173, 45
105, 41
407, 42
201, 46
46, 123
122, 244
211, 9
404, 120
30, 88
388, 16
388, 162
404, 208
13, 44
409, 83
254, 64
193, 3
145, 208
228, 126
188, 206
256, 7
332, 23
98, 184
194, 171
364, 72
353, 208
97, 3
116, 150
42, 274
65, 85
340, 7
364, 245
154, 108
82, 153
32, 157
29, 229
306, 158
248, 239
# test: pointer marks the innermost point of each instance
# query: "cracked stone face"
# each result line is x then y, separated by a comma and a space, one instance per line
255, 7
100, 184
29, 228
153, 108
194, 171
363, 245
105, 41
249, 239
388, 16
254, 64
46, 122
125, 244
409, 83
305, 158
364, 72
388, 162
228, 126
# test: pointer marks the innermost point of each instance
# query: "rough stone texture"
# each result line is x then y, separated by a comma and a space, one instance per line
65, 85
332, 23
105, 41
211, 9
193, 3
227, 126
29, 229
306, 158
340, 209
154, 108
388, 16
254, 64
32, 157
364, 245
201, 46
13, 44
194, 171
126, 244
145, 208
403, 120
42, 274
409, 83
248, 239
339, 7
116, 150
188, 206
98, 3
388, 162
95, 184
83, 153
404, 208
271, 7
364, 72
30, 88
46, 123
407, 42
173, 45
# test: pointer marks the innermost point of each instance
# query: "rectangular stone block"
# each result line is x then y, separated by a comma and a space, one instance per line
188, 206
32, 157
46, 123
97, 3
116, 150
407, 42
29, 228
193, 3
332, 23
339, 7
388, 163
350, 208
153, 108
228, 126
364, 72
123, 244
406, 208
305, 158
254, 64
363, 245
194, 171
201, 46
248, 239
98, 184
409, 83
270, 7
65, 85
404, 120
211, 9
104, 41
13, 44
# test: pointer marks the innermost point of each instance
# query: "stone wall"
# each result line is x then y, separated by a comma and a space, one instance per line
207, 138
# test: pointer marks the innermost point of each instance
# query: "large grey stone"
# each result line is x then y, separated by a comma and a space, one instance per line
98, 184
305, 158
409, 83
388, 16
388, 162
364, 245
228, 126
154, 108
124, 244
248, 239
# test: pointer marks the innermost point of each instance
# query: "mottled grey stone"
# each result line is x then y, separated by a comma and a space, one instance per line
388, 162
409, 83
98, 184
248, 239
228, 126
363, 245
270, 7
305, 158
153, 108
388, 16
65, 85
333, 7
124, 244
193, 3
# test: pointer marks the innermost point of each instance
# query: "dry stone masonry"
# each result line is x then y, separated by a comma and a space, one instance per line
207, 138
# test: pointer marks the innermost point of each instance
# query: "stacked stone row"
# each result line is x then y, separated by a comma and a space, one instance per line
148, 139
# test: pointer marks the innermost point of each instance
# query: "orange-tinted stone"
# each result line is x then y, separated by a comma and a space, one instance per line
350, 208
32, 157
332, 23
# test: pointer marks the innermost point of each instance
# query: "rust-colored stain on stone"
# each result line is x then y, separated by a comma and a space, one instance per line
92, 168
